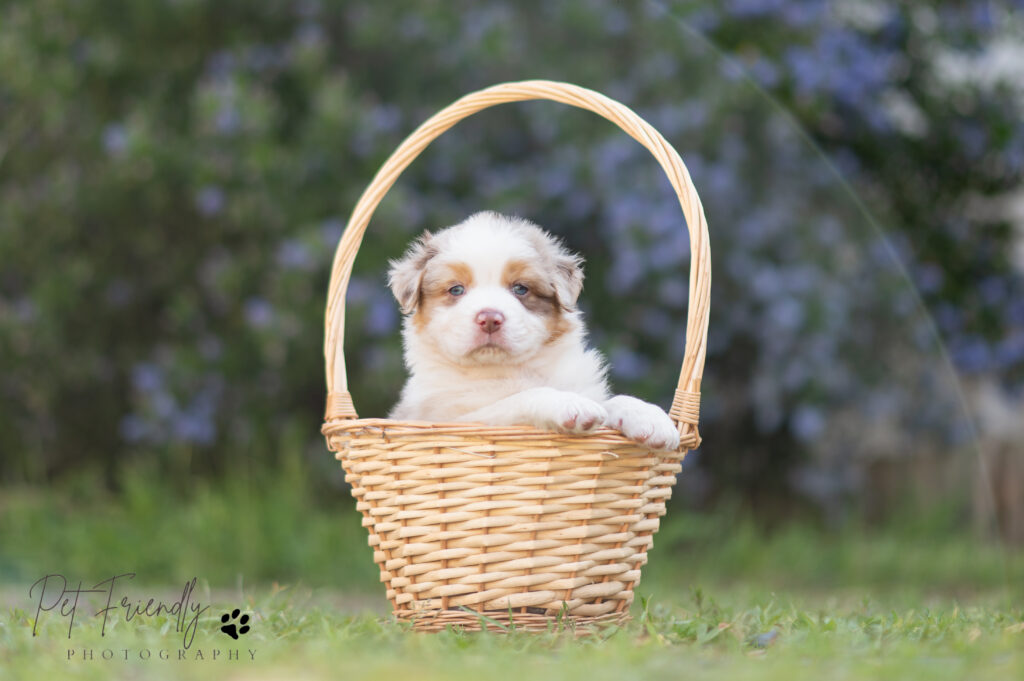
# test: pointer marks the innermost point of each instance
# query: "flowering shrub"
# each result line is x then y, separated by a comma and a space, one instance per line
175, 177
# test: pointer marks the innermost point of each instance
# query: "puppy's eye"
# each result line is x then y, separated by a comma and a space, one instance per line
457, 290
520, 289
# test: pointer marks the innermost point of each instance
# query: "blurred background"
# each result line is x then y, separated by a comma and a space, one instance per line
175, 176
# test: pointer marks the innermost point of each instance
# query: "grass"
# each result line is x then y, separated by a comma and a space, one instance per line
698, 635
719, 599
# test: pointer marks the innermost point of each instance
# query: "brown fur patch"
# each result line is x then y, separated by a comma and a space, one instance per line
523, 272
459, 273
542, 300
434, 291
558, 326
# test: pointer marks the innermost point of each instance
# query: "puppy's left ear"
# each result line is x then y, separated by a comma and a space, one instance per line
563, 266
406, 274
568, 278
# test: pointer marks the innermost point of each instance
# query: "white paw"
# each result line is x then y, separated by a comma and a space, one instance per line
577, 414
642, 422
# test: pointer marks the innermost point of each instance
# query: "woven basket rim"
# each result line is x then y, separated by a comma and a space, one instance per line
477, 431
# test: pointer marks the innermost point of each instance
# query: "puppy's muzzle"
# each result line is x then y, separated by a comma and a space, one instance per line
489, 321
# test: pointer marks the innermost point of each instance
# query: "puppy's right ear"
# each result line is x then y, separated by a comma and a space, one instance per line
406, 274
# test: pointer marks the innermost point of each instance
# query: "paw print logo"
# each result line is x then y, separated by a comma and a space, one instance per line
230, 628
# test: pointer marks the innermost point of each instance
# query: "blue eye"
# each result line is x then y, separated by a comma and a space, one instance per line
457, 290
520, 289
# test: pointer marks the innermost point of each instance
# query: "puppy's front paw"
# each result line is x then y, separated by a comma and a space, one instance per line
577, 414
642, 422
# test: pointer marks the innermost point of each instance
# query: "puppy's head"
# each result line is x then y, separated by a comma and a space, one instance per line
489, 290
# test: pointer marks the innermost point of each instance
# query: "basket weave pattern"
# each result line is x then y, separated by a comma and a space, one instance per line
479, 526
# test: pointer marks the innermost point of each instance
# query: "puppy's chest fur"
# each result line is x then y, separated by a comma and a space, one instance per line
437, 391
442, 399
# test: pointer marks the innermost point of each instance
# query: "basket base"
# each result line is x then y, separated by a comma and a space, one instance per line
504, 621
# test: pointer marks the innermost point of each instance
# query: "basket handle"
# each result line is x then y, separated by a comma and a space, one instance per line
686, 403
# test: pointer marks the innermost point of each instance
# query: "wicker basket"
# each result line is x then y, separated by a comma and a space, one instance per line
482, 526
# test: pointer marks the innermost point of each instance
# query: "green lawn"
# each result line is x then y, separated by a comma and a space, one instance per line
720, 599
718, 634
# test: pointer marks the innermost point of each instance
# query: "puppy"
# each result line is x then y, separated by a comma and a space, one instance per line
492, 335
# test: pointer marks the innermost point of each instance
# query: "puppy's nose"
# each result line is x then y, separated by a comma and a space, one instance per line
489, 320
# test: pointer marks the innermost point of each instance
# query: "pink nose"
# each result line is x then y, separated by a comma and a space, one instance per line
489, 320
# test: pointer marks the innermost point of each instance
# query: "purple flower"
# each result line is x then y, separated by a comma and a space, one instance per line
331, 230
310, 35
972, 354
993, 290
655, 322
806, 69
164, 405
220, 64
209, 201
261, 58
193, 428
787, 314
627, 365
259, 314
673, 292
627, 270
147, 377
382, 317
385, 119
948, 317
115, 139
748, 9
929, 278
228, 119
1010, 350
133, 429
764, 72
802, 13
359, 290
294, 255
616, 21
